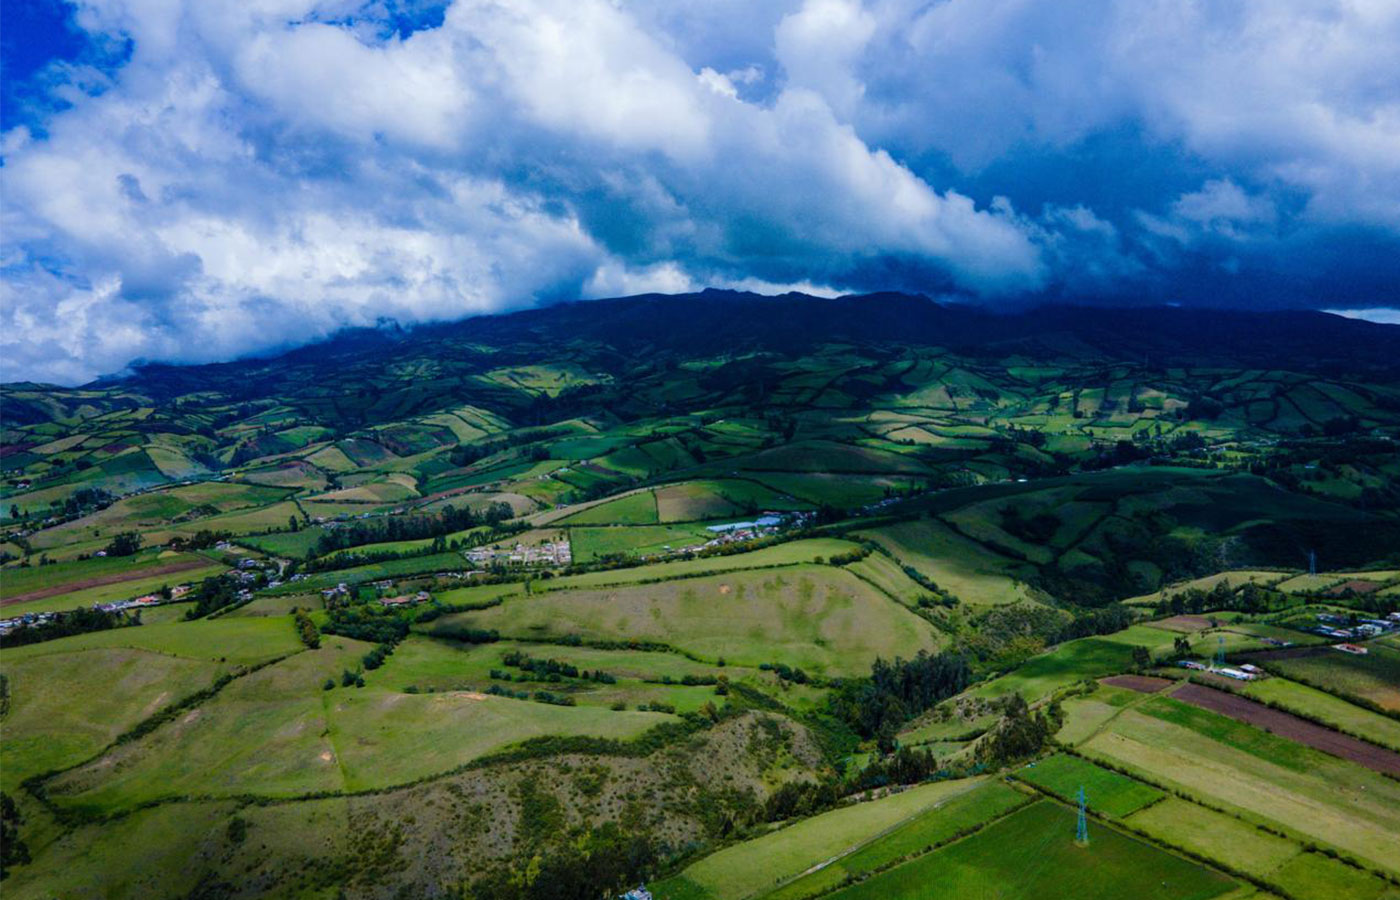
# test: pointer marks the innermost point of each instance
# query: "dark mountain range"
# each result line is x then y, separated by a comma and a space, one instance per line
716, 322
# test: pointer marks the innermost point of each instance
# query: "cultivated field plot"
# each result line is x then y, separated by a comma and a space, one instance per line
936, 825
1265, 777
1328, 709
1106, 792
1374, 677
757, 867
819, 618
1290, 726
276, 733
1032, 854
975, 575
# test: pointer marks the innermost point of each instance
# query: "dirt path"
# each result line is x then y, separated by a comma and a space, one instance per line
1292, 727
100, 580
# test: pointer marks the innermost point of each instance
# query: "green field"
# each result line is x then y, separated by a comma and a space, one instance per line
973, 574
1265, 777
276, 733
66, 706
589, 544
1032, 854
1106, 792
756, 867
934, 826
633, 509
1374, 677
821, 619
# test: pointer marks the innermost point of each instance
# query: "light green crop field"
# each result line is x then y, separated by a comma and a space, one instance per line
231, 640
1216, 836
444, 664
1269, 778
65, 706
590, 543
755, 867
821, 619
1312, 876
1032, 854
277, 733
972, 573
1105, 791
1069, 662
693, 501
941, 822
383, 738
634, 509
121, 590
785, 554
1374, 677
886, 575
1326, 708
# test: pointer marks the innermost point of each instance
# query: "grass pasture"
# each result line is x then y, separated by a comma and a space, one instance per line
933, 826
1374, 677
65, 706
1106, 792
756, 867
1267, 778
821, 619
637, 508
974, 574
1032, 854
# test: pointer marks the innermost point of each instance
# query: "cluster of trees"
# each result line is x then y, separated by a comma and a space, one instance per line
13, 851
554, 670
537, 696
409, 528
203, 540
468, 635
214, 593
1035, 529
1251, 598
306, 629
786, 672
604, 862
363, 622
897, 691
1019, 734
67, 624
127, 543
375, 658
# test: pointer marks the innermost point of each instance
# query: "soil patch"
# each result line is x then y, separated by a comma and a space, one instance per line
1143, 684
1184, 624
1290, 726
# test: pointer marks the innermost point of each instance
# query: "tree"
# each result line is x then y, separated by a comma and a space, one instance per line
293, 523
1142, 657
1181, 645
127, 543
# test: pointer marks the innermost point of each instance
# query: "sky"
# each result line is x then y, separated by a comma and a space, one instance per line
196, 181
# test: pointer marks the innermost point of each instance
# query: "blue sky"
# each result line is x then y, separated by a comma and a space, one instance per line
193, 181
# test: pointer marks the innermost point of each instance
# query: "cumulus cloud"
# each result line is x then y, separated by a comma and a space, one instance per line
249, 175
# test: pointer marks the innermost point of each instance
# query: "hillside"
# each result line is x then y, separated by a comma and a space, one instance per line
470, 609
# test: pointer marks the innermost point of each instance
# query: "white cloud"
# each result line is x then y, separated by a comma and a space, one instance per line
262, 172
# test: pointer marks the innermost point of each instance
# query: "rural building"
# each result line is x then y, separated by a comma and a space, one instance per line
1351, 648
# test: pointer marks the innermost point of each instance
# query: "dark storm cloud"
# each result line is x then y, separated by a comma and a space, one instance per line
246, 175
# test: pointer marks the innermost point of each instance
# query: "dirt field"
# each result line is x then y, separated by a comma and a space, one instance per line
114, 578
1290, 726
1355, 586
1143, 684
1185, 624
